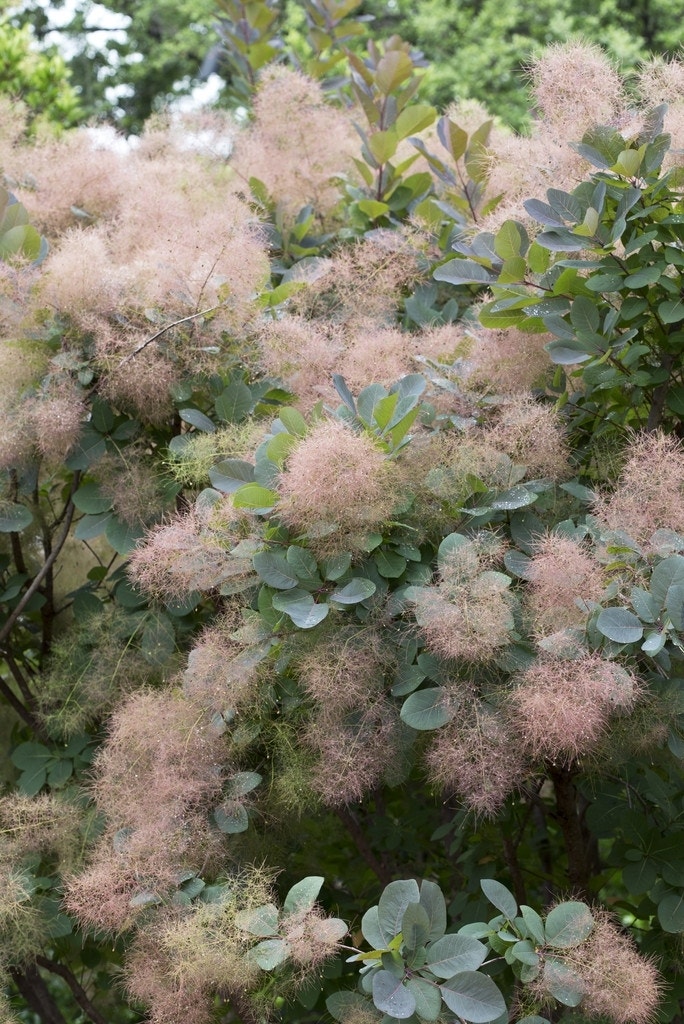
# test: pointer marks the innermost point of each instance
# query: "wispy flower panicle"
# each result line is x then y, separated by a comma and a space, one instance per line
476, 756
649, 495
335, 477
561, 708
562, 576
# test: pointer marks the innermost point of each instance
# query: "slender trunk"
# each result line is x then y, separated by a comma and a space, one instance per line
34, 990
657, 409
577, 839
352, 826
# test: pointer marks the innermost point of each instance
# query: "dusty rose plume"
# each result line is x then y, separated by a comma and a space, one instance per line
466, 615
222, 673
297, 143
480, 760
650, 492
561, 708
531, 434
184, 555
575, 86
336, 478
354, 751
616, 982
156, 777
561, 571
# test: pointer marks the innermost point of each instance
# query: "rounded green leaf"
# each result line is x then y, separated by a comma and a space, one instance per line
426, 709
339, 1004
392, 997
60, 773
563, 983
453, 954
231, 819
358, 589
234, 403
392, 906
255, 497
122, 536
500, 897
415, 926
433, 902
568, 924
473, 997
303, 563
242, 783
27, 755
303, 895
196, 418
516, 497
262, 922
620, 625
671, 912
89, 499
371, 930
389, 563
668, 573
270, 953
145, 899
451, 543
427, 996
275, 570
230, 474
92, 526
301, 607
14, 518
672, 311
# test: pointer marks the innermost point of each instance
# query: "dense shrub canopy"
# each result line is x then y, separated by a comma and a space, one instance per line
342, 555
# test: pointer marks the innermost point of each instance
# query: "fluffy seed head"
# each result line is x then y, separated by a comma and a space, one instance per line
354, 751
479, 760
471, 622
575, 86
560, 709
650, 492
182, 556
531, 434
560, 572
618, 982
344, 671
336, 477
297, 143
511, 360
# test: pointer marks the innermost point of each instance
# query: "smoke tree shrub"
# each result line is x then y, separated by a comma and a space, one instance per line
277, 609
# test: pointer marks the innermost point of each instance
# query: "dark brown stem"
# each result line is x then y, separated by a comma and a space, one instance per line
575, 835
655, 414
510, 853
21, 682
356, 832
78, 991
46, 567
34, 990
17, 553
23, 712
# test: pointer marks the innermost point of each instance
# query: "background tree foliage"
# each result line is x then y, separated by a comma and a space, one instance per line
40, 80
475, 50
342, 551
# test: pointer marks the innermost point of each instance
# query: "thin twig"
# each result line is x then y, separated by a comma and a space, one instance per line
78, 991
356, 832
20, 681
47, 565
176, 323
14, 702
